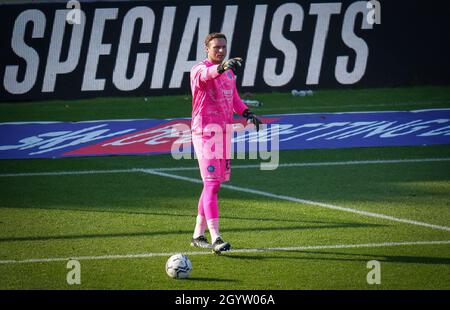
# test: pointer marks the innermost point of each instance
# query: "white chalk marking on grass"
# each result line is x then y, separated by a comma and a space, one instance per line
303, 201
60, 173
343, 246
256, 250
311, 164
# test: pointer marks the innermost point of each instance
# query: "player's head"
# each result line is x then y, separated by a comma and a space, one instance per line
216, 47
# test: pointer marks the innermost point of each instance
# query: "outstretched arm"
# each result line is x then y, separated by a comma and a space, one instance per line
204, 73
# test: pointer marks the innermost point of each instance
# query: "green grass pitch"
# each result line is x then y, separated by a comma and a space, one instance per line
122, 226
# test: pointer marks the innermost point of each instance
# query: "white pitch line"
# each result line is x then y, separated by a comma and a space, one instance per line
256, 250
60, 173
303, 201
310, 164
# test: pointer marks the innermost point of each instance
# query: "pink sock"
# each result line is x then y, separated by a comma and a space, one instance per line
200, 226
213, 226
209, 199
200, 210
211, 207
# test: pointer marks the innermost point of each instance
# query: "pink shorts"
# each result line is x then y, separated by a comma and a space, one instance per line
213, 166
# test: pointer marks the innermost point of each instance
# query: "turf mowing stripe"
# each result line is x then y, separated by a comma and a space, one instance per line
303, 201
330, 163
256, 250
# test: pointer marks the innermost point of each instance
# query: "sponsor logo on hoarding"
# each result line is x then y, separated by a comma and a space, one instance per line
152, 43
296, 131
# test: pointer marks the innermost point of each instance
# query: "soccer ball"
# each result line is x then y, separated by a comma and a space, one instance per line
178, 266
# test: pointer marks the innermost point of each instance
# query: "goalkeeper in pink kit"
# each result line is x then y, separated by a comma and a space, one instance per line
214, 100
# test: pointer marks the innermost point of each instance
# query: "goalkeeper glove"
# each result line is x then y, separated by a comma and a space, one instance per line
251, 118
233, 64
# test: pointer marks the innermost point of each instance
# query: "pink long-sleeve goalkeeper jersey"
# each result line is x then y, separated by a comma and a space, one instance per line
214, 97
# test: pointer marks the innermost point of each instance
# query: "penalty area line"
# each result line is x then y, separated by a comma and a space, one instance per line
255, 250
